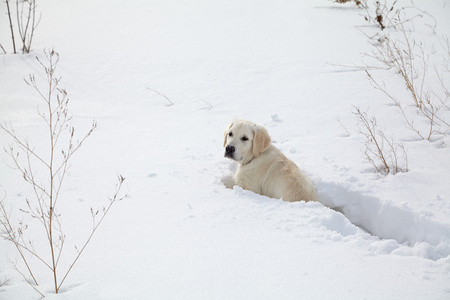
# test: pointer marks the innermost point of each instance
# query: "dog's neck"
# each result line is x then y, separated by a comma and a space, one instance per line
249, 161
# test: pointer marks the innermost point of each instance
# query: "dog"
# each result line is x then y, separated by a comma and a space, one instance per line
262, 168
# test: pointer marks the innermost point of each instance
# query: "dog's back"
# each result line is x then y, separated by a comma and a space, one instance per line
272, 174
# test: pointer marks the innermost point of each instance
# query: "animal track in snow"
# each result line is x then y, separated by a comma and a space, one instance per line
387, 221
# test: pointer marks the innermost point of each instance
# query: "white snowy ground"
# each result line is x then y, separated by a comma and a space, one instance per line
179, 233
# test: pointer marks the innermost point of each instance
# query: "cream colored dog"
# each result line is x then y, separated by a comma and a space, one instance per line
263, 169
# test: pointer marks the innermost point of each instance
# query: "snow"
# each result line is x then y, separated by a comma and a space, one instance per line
179, 233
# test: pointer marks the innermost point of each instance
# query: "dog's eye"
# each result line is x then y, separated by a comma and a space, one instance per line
230, 134
244, 138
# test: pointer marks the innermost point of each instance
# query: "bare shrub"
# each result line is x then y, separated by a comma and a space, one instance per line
382, 152
27, 22
425, 109
44, 170
410, 61
388, 15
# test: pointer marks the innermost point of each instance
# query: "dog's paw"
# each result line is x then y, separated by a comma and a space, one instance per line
229, 181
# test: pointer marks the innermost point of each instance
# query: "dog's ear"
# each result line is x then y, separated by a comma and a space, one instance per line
261, 140
226, 134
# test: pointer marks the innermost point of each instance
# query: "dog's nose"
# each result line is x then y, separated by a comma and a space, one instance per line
229, 149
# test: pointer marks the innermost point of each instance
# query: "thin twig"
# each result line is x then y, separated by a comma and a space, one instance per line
25, 278
161, 94
112, 201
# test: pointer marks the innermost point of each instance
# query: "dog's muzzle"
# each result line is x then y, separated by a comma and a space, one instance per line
229, 151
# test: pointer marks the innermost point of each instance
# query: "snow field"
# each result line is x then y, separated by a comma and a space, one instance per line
179, 233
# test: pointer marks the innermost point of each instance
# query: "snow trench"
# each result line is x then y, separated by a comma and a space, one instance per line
387, 221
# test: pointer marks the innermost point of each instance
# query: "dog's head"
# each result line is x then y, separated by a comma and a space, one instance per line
245, 140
